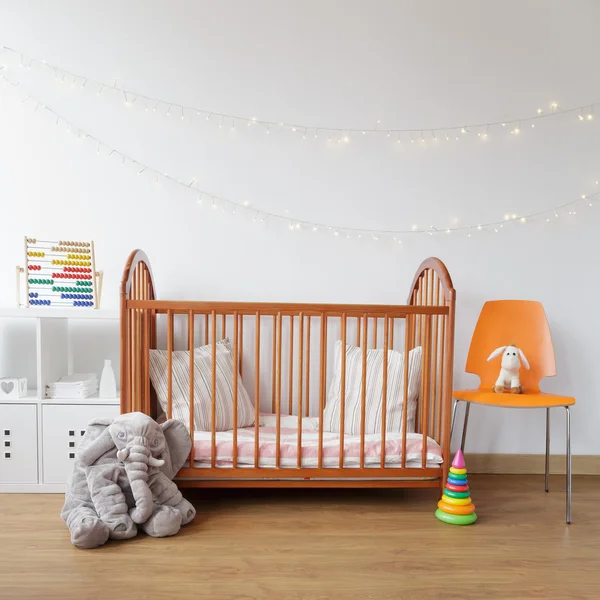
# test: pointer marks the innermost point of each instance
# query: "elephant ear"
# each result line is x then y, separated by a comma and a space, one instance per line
178, 448
96, 441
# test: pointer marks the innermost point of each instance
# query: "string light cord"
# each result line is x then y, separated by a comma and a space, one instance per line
293, 223
584, 112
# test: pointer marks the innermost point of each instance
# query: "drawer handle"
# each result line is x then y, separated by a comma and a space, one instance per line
7, 444
7, 455
7, 432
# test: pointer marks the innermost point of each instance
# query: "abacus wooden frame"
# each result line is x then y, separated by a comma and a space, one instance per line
428, 320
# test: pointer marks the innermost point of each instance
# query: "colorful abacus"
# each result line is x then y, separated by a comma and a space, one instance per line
456, 507
49, 262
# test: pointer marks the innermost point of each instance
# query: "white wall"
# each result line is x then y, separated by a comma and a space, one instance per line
330, 63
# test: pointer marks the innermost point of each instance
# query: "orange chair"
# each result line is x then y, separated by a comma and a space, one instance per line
523, 323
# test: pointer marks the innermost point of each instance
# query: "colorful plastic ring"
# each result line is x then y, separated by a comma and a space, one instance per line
456, 501
456, 510
456, 519
457, 488
457, 481
458, 471
453, 494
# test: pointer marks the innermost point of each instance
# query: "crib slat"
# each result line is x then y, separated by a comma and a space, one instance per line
300, 375
408, 334
375, 320
274, 365
241, 334
307, 403
257, 390
291, 368
223, 326
363, 391
213, 417
278, 395
236, 357
441, 368
435, 383
343, 391
391, 333
206, 329
358, 331
170, 364
192, 369
322, 375
134, 351
426, 386
384, 389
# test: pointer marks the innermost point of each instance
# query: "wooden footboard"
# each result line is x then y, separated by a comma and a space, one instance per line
284, 358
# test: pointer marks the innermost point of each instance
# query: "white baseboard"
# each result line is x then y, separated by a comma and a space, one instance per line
32, 488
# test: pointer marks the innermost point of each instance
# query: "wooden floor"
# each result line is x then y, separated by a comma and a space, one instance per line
318, 544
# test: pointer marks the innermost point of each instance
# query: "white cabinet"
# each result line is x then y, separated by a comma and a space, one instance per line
39, 435
63, 426
18, 435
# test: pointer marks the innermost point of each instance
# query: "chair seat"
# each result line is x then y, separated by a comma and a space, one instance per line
508, 400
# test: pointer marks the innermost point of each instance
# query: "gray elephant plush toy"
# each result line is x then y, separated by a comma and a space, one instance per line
122, 478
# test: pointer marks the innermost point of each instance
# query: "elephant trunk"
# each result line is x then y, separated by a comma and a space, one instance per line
138, 459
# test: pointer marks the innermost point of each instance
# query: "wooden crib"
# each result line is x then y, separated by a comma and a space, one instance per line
283, 352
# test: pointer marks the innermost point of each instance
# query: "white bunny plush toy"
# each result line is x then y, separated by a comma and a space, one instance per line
509, 371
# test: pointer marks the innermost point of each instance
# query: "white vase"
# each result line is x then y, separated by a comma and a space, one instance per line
108, 386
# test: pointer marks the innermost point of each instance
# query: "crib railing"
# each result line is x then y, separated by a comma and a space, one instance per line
284, 354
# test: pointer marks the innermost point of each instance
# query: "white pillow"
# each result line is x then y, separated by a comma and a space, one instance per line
374, 389
202, 387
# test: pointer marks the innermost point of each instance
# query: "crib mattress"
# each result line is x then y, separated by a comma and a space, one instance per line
310, 444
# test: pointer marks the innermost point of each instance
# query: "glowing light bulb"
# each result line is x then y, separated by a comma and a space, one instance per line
523, 219
580, 117
539, 111
514, 216
590, 116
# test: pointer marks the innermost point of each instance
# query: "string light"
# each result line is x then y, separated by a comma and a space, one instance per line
66, 75
375, 234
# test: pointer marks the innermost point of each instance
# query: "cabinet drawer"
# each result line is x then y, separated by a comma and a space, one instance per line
18, 436
63, 426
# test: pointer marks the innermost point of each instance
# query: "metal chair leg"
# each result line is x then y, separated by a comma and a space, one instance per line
464, 433
547, 447
453, 418
568, 419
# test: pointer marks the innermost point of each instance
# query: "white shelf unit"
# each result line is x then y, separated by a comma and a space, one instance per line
38, 435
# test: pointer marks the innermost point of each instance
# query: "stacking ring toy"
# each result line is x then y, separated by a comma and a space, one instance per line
453, 494
458, 471
457, 488
458, 482
456, 501
456, 510
456, 519
457, 475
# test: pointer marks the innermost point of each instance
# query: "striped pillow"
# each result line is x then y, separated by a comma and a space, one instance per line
374, 389
202, 387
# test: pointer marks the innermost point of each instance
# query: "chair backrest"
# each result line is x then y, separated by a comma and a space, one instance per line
519, 322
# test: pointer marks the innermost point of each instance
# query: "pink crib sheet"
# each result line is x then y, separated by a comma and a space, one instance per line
310, 444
